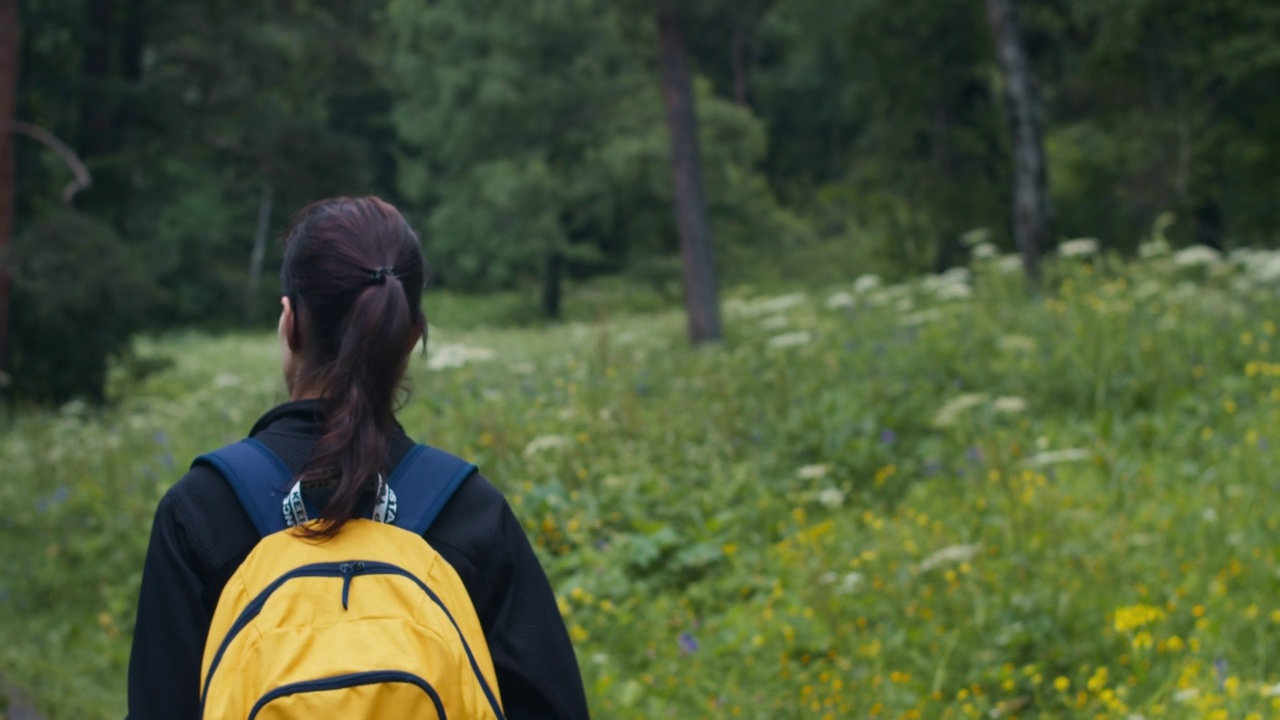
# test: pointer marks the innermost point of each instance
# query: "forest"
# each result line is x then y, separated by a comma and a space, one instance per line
159, 148
892, 359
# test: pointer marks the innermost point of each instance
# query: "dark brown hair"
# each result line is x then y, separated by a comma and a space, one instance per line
354, 273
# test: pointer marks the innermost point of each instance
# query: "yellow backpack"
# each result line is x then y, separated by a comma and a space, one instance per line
371, 623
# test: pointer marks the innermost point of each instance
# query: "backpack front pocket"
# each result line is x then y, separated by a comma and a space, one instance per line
376, 693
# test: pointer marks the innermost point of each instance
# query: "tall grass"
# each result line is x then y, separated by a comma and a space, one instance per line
941, 499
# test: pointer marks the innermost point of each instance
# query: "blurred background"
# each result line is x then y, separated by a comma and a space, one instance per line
991, 431
527, 141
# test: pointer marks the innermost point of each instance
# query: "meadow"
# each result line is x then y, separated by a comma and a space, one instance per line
947, 498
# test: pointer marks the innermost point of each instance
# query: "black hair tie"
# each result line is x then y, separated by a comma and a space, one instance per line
381, 274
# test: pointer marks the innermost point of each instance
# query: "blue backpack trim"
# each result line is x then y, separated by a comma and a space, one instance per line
423, 482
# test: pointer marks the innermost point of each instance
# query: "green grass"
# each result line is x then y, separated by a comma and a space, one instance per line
934, 500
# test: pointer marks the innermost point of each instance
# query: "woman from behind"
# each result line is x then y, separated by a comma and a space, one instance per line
351, 283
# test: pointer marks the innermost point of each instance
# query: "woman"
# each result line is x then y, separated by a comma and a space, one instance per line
352, 283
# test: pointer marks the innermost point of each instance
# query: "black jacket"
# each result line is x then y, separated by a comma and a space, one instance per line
202, 534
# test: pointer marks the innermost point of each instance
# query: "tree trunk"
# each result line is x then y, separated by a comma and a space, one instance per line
259, 253
692, 223
551, 279
95, 111
8, 103
1030, 184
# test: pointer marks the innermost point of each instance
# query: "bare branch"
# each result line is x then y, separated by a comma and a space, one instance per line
46, 138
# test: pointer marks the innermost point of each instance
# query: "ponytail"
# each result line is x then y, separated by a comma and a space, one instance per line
359, 325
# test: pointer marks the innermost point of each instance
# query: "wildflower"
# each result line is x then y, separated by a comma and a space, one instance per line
950, 554
840, 300
1009, 404
1197, 256
1131, 618
1061, 684
920, 318
849, 583
223, 381
688, 644
984, 251
831, 497
866, 283
1053, 457
1153, 249
887, 437
813, 472
1080, 247
953, 408
546, 442
456, 356
1009, 264
792, 339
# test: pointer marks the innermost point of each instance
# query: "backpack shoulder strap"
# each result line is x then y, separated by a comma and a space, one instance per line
259, 478
423, 482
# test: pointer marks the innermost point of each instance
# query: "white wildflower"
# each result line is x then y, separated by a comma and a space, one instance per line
954, 291
984, 251
904, 305
953, 408
1009, 264
1271, 690
225, 380
791, 339
456, 356
766, 305
840, 300
866, 283
1053, 457
1263, 267
522, 368
849, 583
950, 555
1186, 695
831, 497
1153, 249
975, 237
920, 318
546, 442
1009, 405
775, 322
1080, 247
1197, 256
813, 472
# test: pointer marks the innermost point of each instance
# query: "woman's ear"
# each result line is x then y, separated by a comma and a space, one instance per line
289, 326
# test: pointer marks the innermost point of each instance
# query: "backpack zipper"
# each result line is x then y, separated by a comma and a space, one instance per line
348, 571
345, 570
350, 680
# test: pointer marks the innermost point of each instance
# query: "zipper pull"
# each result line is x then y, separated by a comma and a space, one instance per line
348, 571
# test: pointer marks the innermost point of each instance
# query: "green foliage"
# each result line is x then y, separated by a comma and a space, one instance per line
929, 499
537, 129
79, 293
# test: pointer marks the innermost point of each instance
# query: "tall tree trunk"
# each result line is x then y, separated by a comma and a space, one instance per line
692, 223
1030, 183
95, 111
8, 105
259, 253
551, 277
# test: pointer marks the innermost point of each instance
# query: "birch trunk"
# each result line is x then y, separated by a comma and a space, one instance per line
1030, 183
